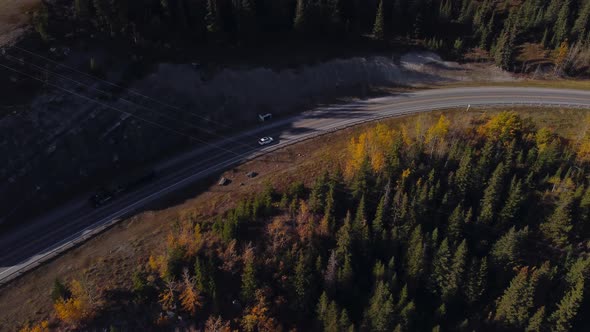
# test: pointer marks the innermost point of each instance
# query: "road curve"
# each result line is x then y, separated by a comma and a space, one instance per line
25, 247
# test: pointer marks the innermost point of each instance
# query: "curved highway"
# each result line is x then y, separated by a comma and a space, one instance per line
27, 246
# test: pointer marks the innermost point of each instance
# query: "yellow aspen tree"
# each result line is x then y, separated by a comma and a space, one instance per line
77, 308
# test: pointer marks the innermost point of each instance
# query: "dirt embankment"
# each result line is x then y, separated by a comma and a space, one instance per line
14, 18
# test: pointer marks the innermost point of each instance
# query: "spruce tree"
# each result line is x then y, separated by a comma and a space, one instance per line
457, 271
491, 196
380, 308
559, 225
246, 19
415, 255
378, 228
456, 224
441, 268
537, 322
513, 202
506, 251
301, 21
514, 306
379, 26
567, 309
249, 282
560, 29
476, 280
581, 24
213, 17
59, 291
301, 282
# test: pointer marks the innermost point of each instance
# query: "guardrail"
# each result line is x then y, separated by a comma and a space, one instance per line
98, 227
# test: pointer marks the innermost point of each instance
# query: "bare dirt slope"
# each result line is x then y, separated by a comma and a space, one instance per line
14, 18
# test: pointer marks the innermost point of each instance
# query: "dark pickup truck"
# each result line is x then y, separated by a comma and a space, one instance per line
106, 194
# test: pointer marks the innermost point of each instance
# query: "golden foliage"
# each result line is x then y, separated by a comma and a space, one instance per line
217, 324
305, 222
542, 138
256, 317
561, 56
187, 236
167, 297
406, 173
79, 307
158, 265
439, 131
41, 327
502, 127
190, 298
584, 143
373, 145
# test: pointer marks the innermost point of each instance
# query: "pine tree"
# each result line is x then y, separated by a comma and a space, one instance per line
344, 238
301, 282
345, 323
246, 19
578, 271
249, 282
513, 308
513, 202
301, 22
332, 323
59, 291
317, 196
359, 226
476, 280
415, 254
380, 308
491, 196
82, 8
504, 51
378, 228
464, 174
322, 307
537, 322
545, 40
506, 251
331, 273
567, 309
559, 225
456, 275
379, 26
407, 316
213, 17
560, 29
441, 268
456, 223
581, 24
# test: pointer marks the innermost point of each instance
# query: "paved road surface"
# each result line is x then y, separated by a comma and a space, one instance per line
23, 247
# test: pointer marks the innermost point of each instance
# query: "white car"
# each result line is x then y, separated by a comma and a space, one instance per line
265, 140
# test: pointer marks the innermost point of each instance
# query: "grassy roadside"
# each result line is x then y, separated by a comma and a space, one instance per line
555, 84
108, 260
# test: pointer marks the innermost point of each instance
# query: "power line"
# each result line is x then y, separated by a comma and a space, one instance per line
135, 92
119, 110
106, 93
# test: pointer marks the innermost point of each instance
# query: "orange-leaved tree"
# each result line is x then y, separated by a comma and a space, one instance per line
80, 306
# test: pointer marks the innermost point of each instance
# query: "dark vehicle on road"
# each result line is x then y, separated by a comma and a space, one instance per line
106, 194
